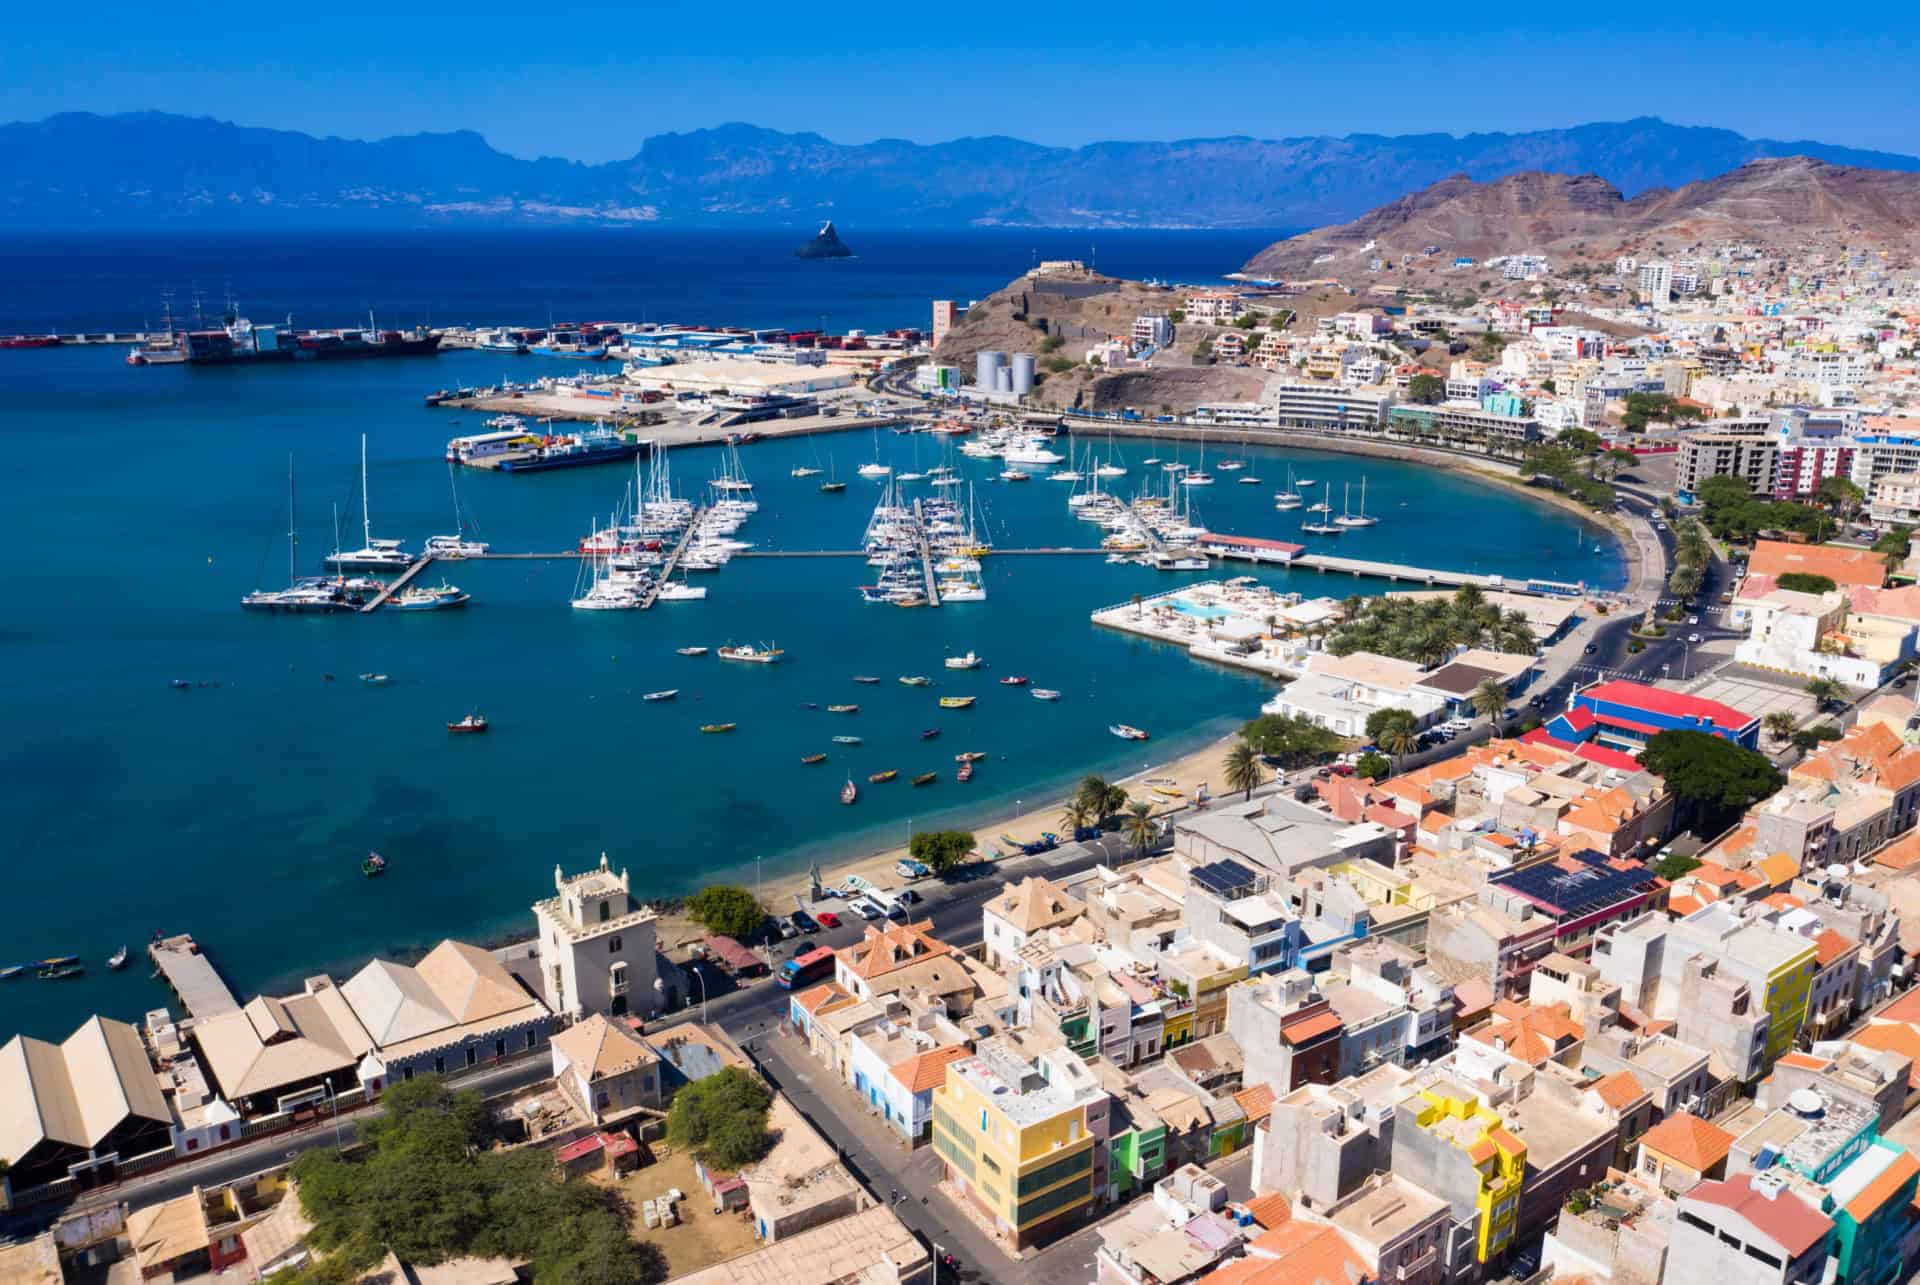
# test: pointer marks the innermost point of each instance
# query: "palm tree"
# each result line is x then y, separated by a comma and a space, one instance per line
1398, 737
1102, 799
1779, 724
1469, 598
1243, 768
1825, 692
1075, 814
1139, 827
1489, 698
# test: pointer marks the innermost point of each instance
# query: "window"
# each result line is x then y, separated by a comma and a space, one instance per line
605, 911
613, 944
500, 1047
406, 1073
193, 1144
530, 1041
439, 1066
473, 1055
617, 977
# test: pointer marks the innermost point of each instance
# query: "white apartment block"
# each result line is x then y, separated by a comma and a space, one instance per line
1152, 329
1895, 499
1656, 283
1214, 307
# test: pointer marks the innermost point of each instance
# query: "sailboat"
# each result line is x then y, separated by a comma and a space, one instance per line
1067, 474
1323, 526
1289, 498
1360, 518
1236, 464
876, 469
377, 555
455, 546
315, 593
1107, 467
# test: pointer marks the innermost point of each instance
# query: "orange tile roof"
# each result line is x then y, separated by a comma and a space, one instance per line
1270, 1209
895, 946
1298, 1253
1620, 1090
1894, 1037
1901, 853
927, 1071
1882, 1189
1805, 1061
1689, 1140
810, 1001
1842, 566
1312, 1028
1904, 1009
1257, 1102
1830, 945
1783, 901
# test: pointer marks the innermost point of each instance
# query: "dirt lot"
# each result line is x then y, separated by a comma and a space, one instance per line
702, 1237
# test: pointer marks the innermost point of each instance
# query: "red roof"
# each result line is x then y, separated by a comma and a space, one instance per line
1608, 758
1579, 718
1312, 1028
1252, 542
1619, 691
575, 1150
1789, 1221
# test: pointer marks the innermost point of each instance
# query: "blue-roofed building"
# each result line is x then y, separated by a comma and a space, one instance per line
1624, 715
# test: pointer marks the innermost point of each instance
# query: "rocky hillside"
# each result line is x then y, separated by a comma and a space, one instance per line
1785, 202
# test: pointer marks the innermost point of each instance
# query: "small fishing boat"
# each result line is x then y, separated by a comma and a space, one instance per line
180, 685
849, 792
865, 678
690, 651
929, 733
917, 680
968, 661
472, 723
1014, 680
374, 680
843, 709
60, 973
834, 488
926, 778
811, 759
374, 866
667, 695
956, 702
965, 773
971, 756
11, 971
711, 728
804, 471
57, 961
752, 654
1126, 733
846, 740
880, 778
1169, 792
1045, 694
118, 959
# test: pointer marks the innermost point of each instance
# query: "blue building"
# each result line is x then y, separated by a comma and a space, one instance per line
1624, 715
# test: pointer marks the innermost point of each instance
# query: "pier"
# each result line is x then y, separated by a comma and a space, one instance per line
673, 559
1396, 571
406, 578
192, 977
926, 554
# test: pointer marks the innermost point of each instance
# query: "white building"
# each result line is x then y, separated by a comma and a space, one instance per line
1896, 499
596, 946
1656, 283
1152, 329
1215, 307
1339, 692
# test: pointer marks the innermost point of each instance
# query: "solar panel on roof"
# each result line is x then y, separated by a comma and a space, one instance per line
1577, 893
1226, 879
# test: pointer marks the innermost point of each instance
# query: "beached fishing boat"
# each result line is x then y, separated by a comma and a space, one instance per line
880, 777
926, 778
956, 702
472, 723
811, 759
667, 695
711, 728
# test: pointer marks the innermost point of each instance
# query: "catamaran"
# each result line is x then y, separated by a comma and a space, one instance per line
378, 555
455, 546
1360, 518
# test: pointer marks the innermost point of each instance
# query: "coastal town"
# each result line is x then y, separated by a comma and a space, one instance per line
1525, 930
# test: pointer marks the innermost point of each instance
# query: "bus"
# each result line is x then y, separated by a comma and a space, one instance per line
802, 970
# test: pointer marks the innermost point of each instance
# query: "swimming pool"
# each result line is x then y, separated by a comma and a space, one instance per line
1199, 610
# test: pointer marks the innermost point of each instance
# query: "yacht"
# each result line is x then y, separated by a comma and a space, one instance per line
377, 555
455, 546
680, 591
1032, 450
875, 469
1197, 479
1360, 518
1323, 526
1127, 733
302, 594
1289, 498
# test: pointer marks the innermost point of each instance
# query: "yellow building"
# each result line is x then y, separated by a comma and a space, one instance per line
1788, 987
1449, 1142
1199, 977
1023, 1140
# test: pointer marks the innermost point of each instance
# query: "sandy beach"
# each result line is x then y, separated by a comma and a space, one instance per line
1188, 772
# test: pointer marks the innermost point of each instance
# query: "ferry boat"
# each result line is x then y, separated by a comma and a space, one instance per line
968, 661
470, 724
754, 655
849, 792
509, 435
956, 702
571, 343
598, 445
1126, 733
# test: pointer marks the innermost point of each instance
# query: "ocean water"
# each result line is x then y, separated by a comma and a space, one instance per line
140, 504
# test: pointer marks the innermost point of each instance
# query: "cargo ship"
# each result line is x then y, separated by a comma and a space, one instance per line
240, 342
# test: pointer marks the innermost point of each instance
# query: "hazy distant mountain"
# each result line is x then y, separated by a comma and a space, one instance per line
151, 168
1782, 202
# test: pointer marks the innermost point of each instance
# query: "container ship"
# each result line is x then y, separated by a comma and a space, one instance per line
240, 342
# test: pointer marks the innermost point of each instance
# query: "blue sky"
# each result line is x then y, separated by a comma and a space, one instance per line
593, 83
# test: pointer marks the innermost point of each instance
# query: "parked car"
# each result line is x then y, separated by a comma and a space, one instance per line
1591, 649
864, 907
1693, 638
828, 919
908, 897
1693, 620
788, 930
804, 922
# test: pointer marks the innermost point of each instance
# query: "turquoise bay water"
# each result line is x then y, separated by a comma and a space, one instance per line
140, 505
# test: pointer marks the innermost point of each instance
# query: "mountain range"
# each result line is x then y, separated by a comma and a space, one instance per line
153, 169
1791, 201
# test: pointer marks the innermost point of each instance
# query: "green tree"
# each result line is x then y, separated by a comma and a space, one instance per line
1139, 827
722, 1119
1075, 814
1101, 797
941, 849
728, 910
1712, 779
1674, 866
1582, 440
1840, 495
1398, 736
1806, 582
1779, 724
1291, 741
1428, 390
584, 1250
1895, 545
1243, 768
1374, 767
1826, 692
1489, 697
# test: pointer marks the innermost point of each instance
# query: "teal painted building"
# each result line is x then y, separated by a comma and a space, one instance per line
1870, 1201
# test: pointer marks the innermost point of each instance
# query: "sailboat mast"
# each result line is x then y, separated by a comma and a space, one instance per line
366, 514
293, 527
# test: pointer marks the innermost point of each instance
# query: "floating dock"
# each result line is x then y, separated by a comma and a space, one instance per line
673, 559
926, 554
406, 578
192, 977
